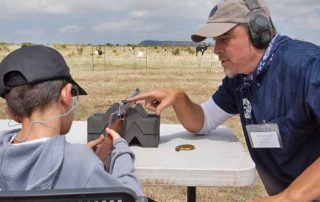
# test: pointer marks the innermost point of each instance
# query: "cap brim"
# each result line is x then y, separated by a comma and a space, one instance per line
80, 90
212, 30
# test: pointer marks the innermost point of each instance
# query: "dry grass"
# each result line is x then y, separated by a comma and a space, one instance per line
118, 73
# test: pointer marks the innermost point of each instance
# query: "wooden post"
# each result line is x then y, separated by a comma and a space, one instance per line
134, 59
92, 58
104, 57
146, 58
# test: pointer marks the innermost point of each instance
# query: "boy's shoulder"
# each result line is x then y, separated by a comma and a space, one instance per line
79, 158
80, 152
6, 135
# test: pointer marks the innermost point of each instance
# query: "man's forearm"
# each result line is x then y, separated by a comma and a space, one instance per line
189, 113
307, 186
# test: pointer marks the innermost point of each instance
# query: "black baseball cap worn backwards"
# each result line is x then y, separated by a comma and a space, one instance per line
33, 64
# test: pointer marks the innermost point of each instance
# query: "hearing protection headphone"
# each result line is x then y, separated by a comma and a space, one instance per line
260, 26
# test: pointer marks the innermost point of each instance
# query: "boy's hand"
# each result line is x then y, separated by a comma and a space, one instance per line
112, 133
94, 143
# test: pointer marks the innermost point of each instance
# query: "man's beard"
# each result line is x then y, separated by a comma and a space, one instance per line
229, 74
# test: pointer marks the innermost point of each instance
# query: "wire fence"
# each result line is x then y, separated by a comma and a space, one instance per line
105, 58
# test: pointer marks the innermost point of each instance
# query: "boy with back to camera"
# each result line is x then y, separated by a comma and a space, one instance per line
40, 94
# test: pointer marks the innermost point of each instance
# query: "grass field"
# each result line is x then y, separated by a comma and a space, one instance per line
112, 77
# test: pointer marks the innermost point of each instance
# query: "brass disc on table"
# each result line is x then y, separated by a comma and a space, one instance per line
185, 147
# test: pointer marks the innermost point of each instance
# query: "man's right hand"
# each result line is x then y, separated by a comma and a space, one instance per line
158, 99
189, 113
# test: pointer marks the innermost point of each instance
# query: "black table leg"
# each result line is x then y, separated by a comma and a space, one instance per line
191, 194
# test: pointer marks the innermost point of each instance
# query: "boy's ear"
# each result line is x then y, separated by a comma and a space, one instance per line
65, 95
14, 117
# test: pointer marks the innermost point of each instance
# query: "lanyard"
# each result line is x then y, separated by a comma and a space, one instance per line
264, 62
252, 78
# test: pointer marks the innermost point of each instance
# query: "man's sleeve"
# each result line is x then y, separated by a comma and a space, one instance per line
213, 116
313, 93
225, 96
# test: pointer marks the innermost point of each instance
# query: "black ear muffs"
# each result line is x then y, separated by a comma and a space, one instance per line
260, 31
260, 27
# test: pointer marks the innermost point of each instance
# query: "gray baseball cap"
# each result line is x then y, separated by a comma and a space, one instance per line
227, 14
33, 64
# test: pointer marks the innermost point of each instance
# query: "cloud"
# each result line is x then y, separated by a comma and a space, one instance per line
71, 29
134, 20
124, 26
29, 35
140, 14
297, 18
31, 7
71, 7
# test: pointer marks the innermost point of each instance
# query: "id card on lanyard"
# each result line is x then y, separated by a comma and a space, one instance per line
264, 135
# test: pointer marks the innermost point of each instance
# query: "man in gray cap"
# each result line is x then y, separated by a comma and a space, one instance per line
273, 83
40, 94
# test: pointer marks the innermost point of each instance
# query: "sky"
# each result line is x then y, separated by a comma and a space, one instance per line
132, 21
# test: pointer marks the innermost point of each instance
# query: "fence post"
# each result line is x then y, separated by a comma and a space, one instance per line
104, 57
92, 58
134, 59
211, 61
146, 58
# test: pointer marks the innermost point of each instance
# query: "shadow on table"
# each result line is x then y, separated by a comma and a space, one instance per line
220, 134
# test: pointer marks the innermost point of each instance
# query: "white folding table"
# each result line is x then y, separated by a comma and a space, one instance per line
218, 159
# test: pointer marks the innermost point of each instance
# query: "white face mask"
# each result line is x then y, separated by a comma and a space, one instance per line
72, 109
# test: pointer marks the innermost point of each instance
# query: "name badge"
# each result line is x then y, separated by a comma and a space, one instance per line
264, 135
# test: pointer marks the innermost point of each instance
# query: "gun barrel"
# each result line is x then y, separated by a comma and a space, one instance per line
125, 105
